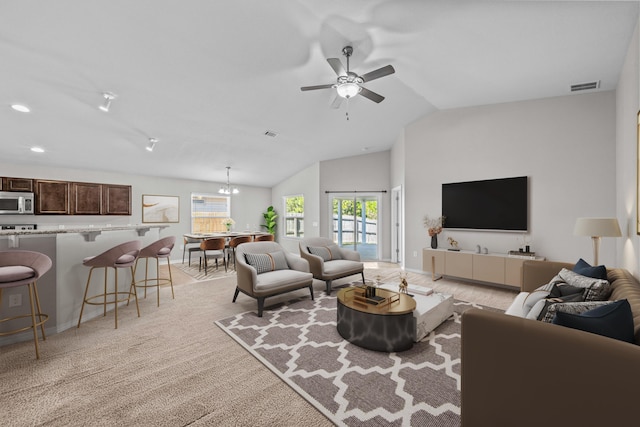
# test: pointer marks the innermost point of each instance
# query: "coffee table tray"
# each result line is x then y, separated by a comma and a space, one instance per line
381, 299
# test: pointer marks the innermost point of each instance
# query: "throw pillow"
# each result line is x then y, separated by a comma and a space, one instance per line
613, 320
571, 307
564, 299
559, 293
327, 253
595, 289
584, 268
267, 262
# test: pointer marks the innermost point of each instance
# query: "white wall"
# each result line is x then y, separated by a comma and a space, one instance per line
306, 183
246, 207
627, 105
565, 145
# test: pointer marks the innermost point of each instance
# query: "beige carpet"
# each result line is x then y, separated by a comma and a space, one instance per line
171, 367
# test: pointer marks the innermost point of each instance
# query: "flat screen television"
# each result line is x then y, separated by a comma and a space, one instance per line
493, 204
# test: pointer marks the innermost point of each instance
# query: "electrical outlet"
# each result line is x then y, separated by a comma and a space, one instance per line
415, 254
15, 300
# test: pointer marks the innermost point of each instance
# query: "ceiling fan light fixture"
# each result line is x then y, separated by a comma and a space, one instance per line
106, 104
348, 90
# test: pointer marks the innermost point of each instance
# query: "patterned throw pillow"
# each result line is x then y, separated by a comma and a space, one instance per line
327, 253
571, 307
595, 289
264, 263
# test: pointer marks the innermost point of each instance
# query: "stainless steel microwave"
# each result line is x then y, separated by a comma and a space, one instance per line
15, 203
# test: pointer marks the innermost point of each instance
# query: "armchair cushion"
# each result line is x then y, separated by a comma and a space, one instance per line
267, 262
327, 253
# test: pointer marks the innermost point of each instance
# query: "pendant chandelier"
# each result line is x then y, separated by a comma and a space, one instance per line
226, 189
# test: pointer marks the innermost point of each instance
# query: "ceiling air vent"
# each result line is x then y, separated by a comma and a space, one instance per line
271, 134
585, 86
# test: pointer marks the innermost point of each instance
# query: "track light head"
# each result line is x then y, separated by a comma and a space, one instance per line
152, 144
108, 97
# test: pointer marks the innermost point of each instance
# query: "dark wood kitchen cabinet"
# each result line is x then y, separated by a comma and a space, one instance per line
17, 184
116, 199
52, 197
86, 198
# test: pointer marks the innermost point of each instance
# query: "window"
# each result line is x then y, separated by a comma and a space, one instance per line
294, 216
208, 212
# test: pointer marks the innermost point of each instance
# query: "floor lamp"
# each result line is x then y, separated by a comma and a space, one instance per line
597, 228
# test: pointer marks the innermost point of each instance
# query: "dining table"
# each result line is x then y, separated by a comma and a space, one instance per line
226, 234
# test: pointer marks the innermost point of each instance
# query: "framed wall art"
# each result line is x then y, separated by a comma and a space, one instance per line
160, 208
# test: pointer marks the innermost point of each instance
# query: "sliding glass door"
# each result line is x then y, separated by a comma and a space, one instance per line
354, 223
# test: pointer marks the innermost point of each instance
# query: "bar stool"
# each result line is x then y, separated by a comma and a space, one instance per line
19, 268
159, 249
215, 246
233, 244
264, 238
120, 256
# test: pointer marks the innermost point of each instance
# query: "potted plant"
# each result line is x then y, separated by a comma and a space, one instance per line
270, 220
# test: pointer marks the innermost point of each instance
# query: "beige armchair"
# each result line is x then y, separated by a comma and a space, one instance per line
265, 269
330, 262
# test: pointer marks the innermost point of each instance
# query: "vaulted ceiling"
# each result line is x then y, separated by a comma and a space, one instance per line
208, 78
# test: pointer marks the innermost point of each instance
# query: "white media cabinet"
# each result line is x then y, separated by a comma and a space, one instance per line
501, 269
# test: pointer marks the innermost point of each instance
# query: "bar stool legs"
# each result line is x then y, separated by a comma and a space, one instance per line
144, 283
104, 297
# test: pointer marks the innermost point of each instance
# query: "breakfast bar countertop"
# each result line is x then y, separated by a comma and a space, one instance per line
88, 232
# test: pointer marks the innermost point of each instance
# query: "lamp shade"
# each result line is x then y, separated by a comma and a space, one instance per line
597, 227
348, 90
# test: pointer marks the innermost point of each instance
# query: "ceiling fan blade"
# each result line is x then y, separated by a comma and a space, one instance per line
304, 88
337, 101
337, 66
371, 95
376, 74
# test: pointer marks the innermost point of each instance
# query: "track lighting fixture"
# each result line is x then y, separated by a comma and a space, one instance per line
226, 189
108, 97
152, 144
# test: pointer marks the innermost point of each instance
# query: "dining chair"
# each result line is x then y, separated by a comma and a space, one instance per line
264, 238
190, 245
233, 244
213, 248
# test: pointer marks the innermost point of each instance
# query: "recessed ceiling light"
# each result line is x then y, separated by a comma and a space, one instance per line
21, 108
37, 149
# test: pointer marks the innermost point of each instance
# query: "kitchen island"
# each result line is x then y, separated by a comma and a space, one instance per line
61, 289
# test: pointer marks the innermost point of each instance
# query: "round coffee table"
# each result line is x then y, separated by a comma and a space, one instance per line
388, 326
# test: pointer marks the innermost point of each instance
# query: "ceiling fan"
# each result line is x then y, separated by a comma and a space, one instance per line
348, 83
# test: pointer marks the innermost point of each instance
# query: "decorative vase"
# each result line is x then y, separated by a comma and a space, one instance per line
228, 228
434, 241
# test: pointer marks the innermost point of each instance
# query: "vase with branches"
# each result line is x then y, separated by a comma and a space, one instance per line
434, 227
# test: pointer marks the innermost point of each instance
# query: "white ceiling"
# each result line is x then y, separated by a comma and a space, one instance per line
208, 78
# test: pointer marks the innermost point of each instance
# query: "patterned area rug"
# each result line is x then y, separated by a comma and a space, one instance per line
199, 275
350, 385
